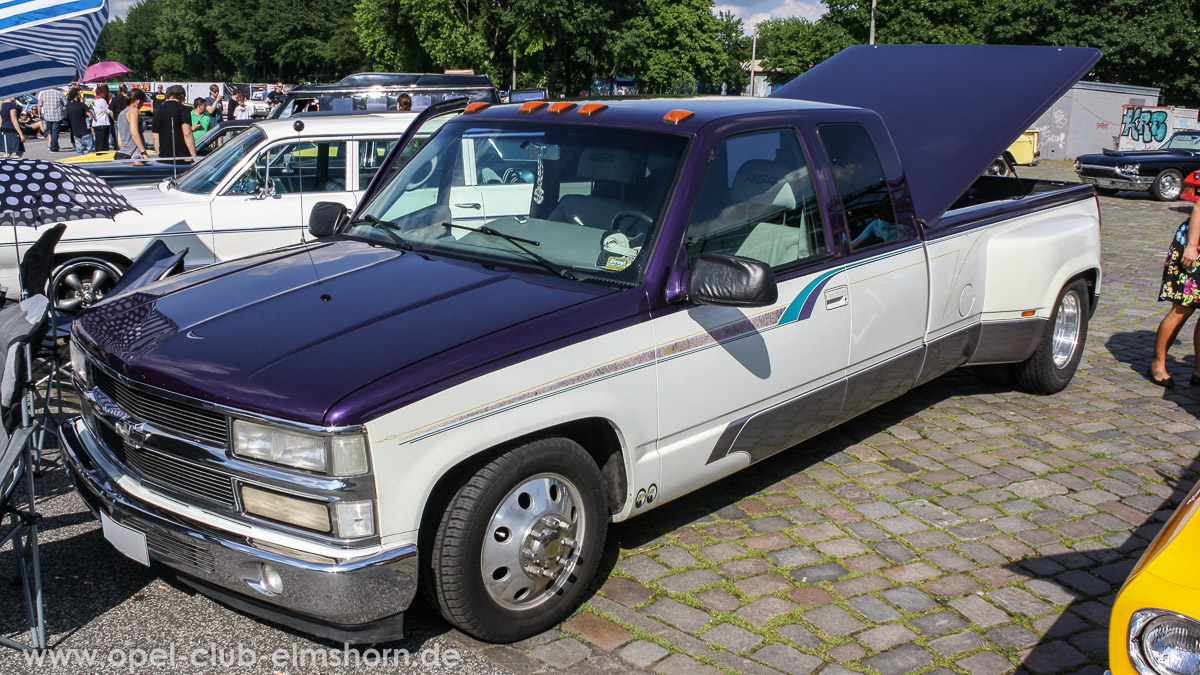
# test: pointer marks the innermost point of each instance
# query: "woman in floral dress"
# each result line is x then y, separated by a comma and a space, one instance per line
1180, 287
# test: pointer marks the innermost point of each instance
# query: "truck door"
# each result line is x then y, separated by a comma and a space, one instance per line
740, 384
887, 276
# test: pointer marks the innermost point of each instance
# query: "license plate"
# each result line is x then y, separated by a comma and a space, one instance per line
130, 542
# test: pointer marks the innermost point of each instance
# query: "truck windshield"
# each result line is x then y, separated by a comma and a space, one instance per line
210, 171
585, 200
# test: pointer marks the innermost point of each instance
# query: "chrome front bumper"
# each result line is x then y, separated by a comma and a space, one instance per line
1137, 184
354, 600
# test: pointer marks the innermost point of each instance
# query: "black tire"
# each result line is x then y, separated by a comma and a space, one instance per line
452, 572
1167, 186
1041, 373
1106, 192
998, 168
78, 283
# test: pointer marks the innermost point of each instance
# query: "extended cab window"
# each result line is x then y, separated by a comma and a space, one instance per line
866, 201
297, 167
371, 155
758, 202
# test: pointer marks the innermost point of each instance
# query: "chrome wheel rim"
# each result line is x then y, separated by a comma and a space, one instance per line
1066, 330
80, 284
531, 546
1169, 187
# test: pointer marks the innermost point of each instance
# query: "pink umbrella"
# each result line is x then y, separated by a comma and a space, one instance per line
105, 70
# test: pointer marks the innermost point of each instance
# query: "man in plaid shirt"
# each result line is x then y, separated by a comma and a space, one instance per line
51, 103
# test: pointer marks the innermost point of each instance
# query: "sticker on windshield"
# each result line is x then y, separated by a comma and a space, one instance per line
617, 263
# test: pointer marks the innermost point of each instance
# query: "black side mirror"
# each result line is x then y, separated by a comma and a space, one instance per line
326, 218
732, 281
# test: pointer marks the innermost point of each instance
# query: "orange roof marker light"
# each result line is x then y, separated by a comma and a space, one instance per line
476, 107
589, 109
678, 116
530, 107
560, 107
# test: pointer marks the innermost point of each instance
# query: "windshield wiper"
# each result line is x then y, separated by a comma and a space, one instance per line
516, 241
385, 226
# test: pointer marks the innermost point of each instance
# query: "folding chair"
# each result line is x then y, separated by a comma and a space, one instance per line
18, 326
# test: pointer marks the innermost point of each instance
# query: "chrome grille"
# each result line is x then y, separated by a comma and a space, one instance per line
187, 550
184, 477
1100, 172
187, 421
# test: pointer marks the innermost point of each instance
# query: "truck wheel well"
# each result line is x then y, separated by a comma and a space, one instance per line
596, 435
114, 258
1090, 277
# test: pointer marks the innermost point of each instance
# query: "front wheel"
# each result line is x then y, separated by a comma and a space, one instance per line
78, 283
518, 541
1053, 364
1167, 186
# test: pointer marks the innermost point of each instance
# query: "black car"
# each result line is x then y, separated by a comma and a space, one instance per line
1160, 171
121, 172
377, 92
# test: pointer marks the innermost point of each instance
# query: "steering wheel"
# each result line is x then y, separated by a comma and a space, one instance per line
632, 230
510, 176
249, 182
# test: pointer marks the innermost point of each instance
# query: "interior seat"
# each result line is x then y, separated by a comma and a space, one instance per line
610, 172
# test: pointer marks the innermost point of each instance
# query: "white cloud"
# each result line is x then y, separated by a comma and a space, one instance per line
756, 11
119, 8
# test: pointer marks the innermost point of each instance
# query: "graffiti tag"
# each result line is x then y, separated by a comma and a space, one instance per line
1060, 118
1144, 125
1102, 125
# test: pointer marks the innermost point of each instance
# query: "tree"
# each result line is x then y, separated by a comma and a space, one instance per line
141, 43
793, 45
672, 45
735, 49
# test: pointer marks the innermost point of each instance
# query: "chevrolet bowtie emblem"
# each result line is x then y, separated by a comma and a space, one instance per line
134, 435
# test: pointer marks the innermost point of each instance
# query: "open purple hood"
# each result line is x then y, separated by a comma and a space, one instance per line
285, 335
951, 109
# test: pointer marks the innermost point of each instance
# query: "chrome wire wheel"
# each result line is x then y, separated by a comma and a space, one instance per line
532, 543
1065, 339
79, 283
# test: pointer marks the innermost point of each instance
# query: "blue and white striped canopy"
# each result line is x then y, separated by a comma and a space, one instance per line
46, 43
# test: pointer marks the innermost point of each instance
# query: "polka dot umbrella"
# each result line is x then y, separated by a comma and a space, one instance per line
37, 192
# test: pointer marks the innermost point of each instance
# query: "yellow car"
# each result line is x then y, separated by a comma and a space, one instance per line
105, 156
1155, 625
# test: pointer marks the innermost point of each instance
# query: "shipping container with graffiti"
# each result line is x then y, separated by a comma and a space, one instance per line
1147, 127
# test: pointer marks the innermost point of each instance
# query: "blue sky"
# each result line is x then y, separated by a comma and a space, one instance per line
750, 11
753, 11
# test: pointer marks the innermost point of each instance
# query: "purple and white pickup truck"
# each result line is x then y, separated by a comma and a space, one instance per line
546, 317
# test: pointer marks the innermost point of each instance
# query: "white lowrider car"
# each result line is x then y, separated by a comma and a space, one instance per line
252, 194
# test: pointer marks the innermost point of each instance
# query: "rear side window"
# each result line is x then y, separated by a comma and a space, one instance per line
866, 200
757, 201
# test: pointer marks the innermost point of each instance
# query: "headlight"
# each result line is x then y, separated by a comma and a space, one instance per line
304, 513
79, 362
1078, 165
1128, 169
345, 455
1164, 643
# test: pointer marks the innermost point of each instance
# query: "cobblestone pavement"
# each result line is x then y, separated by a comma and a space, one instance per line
964, 527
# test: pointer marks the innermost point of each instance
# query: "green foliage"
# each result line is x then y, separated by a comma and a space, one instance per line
795, 45
734, 49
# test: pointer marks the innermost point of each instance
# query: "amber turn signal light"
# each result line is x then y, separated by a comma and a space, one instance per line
530, 107
476, 107
560, 107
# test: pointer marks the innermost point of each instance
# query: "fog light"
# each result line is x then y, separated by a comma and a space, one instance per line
271, 579
300, 512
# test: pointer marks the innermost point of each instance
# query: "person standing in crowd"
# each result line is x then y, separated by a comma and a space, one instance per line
103, 122
172, 126
241, 111
52, 106
160, 97
276, 97
403, 102
201, 120
11, 136
129, 126
212, 104
116, 106
78, 117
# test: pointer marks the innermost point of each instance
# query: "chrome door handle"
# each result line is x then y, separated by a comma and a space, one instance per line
468, 205
838, 296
